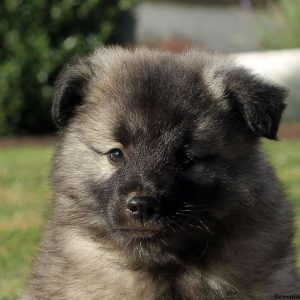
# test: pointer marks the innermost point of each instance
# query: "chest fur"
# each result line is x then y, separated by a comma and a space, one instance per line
97, 273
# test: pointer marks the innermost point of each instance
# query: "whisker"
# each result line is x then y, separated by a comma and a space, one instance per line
191, 205
195, 207
171, 221
200, 223
181, 214
194, 210
163, 241
207, 229
176, 223
193, 226
187, 210
168, 224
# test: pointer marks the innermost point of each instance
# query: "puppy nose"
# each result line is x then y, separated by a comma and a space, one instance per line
143, 207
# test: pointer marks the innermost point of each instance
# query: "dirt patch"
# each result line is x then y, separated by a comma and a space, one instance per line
287, 131
290, 131
47, 140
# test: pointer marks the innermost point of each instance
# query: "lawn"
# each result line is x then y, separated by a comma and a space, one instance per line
25, 196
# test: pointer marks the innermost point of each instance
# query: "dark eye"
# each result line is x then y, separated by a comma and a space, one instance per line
116, 156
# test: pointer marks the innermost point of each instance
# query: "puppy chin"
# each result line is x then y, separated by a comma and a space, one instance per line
145, 249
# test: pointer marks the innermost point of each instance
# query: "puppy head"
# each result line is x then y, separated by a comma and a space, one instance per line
153, 142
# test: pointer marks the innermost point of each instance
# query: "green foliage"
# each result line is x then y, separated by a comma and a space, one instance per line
279, 25
36, 38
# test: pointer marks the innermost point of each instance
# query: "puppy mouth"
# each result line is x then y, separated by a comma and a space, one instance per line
139, 232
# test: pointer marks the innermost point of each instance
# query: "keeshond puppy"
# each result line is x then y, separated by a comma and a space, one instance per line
161, 188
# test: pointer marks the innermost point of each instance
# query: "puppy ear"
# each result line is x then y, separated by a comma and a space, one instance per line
259, 102
70, 90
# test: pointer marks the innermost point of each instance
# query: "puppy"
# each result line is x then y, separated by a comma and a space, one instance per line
161, 188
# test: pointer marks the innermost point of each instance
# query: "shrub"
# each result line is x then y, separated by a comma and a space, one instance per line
37, 36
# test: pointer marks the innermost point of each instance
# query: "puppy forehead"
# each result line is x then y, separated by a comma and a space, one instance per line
184, 74
154, 96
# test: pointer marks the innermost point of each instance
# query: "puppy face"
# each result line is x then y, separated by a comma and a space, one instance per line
155, 146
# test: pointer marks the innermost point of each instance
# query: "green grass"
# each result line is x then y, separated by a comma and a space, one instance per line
24, 198
285, 157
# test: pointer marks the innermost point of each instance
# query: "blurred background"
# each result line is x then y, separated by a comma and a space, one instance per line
38, 36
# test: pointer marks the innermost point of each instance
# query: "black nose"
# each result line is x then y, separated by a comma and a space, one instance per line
143, 207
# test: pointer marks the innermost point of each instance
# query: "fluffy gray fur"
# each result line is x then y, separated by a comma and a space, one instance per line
189, 126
